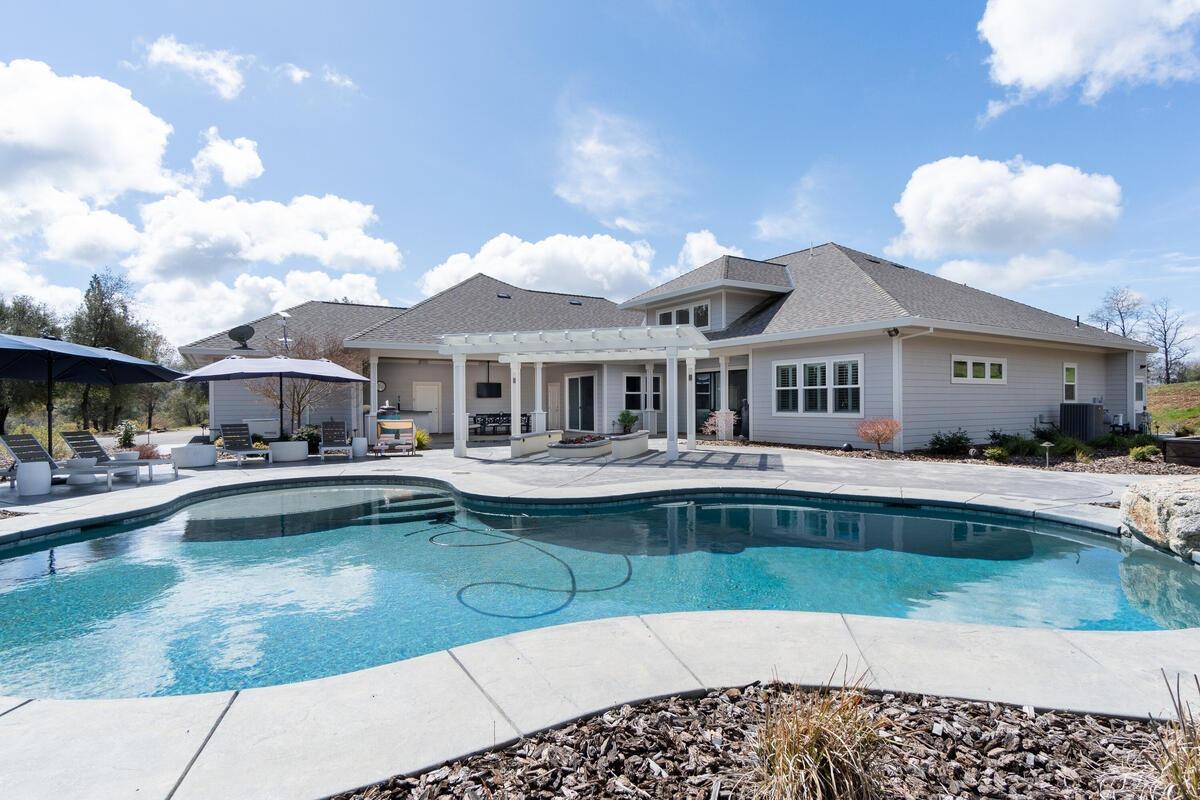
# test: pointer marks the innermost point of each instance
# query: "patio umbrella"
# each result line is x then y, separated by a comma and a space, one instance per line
236, 368
28, 358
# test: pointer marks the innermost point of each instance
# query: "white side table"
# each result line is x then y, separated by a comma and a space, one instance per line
194, 455
358, 447
33, 478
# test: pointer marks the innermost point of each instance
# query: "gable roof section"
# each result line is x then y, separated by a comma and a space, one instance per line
319, 319
475, 306
836, 285
759, 274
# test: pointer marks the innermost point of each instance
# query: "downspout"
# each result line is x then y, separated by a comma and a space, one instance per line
898, 381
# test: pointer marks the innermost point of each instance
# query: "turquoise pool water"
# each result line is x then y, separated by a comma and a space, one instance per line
286, 585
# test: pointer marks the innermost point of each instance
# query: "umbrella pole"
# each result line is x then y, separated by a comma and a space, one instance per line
50, 407
280, 406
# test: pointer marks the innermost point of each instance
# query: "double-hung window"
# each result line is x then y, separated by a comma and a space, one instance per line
633, 392
1070, 382
692, 314
787, 395
978, 369
828, 385
656, 393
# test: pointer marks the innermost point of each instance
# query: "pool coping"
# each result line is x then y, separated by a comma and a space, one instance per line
332, 734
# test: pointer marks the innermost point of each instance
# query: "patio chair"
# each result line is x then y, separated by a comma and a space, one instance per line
236, 441
26, 449
397, 434
335, 440
84, 445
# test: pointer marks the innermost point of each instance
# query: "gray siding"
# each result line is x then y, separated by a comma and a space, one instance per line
932, 403
234, 401
827, 429
738, 303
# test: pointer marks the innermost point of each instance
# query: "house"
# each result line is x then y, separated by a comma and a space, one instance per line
805, 345
317, 320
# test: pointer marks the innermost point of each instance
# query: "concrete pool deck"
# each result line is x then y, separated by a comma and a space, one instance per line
314, 738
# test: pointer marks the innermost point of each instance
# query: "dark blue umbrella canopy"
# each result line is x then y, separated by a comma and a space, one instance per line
26, 358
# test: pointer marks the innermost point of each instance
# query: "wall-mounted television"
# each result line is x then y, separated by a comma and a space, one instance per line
483, 389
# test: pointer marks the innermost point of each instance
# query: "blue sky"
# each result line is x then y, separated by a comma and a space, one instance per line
235, 158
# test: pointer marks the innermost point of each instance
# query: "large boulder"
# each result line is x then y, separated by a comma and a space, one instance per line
1165, 511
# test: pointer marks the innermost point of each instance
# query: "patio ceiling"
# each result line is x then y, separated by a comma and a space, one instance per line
586, 344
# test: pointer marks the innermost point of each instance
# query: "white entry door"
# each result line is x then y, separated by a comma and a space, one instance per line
428, 397
554, 407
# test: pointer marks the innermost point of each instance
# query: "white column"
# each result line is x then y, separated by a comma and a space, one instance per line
898, 390
459, 380
371, 432
724, 390
671, 404
649, 418
514, 370
539, 413
690, 388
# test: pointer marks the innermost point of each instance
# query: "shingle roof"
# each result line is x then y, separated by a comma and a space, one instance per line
319, 319
836, 285
476, 306
725, 268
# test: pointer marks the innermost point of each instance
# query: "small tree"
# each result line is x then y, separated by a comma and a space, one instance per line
720, 424
24, 316
1122, 310
1167, 331
301, 394
880, 431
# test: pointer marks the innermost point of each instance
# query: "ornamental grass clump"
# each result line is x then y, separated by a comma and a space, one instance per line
878, 431
818, 745
1177, 752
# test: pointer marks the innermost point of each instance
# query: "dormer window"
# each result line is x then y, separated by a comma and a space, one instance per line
691, 314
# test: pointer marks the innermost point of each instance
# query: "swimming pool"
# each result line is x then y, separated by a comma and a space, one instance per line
285, 585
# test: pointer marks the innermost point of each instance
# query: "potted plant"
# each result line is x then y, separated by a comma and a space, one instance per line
627, 419
126, 447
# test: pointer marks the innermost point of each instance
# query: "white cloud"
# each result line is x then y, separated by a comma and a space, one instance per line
294, 73
1054, 268
1050, 46
92, 239
187, 310
796, 224
612, 169
236, 160
338, 79
967, 204
699, 248
203, 237
221, 70
17, 277
598, 264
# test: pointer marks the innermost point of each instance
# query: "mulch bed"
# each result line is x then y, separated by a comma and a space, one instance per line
1113, 462
701, 747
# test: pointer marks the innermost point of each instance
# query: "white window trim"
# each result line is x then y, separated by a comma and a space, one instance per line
1137, 383
830, 387
1066, 365
691, 309
987, 362
641, 376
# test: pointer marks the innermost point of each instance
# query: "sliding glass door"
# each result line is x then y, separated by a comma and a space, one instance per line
581, 402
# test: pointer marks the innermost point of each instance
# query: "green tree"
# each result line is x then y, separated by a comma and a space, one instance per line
23, 316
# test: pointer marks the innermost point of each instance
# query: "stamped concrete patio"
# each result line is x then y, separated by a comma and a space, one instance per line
310, 739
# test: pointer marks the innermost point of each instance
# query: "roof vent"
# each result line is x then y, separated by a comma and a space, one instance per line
575, 302
873, 260
898, 266
504, 295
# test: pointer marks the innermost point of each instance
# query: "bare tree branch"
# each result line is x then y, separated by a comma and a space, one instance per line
1122, 311
1166, 327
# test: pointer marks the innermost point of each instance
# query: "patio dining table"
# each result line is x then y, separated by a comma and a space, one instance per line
493, 424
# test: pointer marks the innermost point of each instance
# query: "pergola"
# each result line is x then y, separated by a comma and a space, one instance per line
668, 343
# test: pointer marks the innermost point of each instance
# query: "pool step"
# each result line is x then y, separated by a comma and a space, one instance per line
427, 507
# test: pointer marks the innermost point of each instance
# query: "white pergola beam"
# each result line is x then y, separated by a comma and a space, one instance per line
587, 356
680, 336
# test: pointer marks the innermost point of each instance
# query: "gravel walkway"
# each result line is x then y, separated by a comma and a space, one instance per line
701, 747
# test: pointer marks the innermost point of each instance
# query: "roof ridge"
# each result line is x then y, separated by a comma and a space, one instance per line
804, 249
420, 303
899, 306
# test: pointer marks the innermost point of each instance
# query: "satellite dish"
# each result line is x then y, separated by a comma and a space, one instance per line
241, 334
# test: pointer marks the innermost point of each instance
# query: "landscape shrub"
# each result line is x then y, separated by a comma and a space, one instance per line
1022, 446
310, 434
952, 443
1141, 440
125, 433
421, 439
1184, 430
997, 437
1143, 453
1045, 433
149, 452
1112, 441
817, 745
1070, 447
256, 439
995, 453
879, 431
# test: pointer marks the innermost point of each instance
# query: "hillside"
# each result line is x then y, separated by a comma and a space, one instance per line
1175, 404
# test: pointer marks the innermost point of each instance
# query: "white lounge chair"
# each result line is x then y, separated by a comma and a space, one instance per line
396, 434
84, 445
335, 440
26, 449
236, 441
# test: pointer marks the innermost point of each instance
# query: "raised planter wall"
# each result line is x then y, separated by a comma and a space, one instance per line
1182, 450
589, 450
630, 444
526, 444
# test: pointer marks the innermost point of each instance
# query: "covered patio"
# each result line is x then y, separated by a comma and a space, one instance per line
632, 346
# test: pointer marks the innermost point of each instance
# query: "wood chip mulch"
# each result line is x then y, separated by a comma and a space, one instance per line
701, 747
